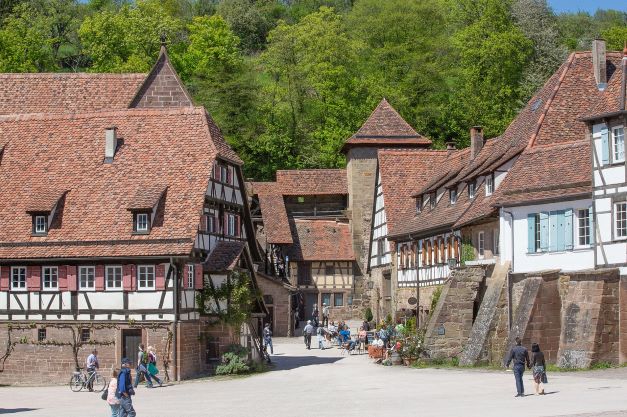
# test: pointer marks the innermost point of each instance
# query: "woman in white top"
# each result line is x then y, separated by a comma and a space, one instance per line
112, 400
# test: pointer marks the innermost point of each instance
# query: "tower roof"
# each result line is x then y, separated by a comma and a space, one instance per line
385, 127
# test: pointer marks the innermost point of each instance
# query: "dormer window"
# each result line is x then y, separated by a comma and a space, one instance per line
453, 195
40, 224
471, 190
489, 184
432, 200
418, 205
223, 173
141, 223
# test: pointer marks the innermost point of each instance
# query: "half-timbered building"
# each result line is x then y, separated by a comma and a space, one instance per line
121, 202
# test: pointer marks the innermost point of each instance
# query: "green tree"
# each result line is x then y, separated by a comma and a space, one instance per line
615, 37
128, 40
249, 20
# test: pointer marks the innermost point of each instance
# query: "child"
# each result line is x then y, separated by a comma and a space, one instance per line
112, 400
320, 333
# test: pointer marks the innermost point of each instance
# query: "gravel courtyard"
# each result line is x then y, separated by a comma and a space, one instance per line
325, 383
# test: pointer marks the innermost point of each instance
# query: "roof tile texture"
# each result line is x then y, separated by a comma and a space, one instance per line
224, 256
320, 240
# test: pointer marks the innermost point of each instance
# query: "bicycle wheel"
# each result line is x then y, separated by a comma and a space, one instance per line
76, 383
100, 383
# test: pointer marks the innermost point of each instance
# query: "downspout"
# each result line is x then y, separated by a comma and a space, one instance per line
509, 274
175, 291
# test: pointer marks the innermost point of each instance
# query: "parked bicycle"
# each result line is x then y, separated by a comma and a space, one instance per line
81, 379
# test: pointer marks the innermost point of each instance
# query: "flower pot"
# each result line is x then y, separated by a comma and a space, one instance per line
407, 361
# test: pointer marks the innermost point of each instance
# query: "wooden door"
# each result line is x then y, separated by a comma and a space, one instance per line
131, 339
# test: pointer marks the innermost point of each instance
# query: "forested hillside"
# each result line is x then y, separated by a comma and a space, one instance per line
289, 80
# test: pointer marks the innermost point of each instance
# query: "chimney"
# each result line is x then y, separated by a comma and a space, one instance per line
599, 63
476, 141
111, 143
450, 147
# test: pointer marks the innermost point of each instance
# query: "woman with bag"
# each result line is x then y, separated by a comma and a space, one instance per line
538, 366
152, 365
109, 394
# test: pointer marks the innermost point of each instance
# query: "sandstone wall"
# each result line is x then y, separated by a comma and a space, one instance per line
282, 315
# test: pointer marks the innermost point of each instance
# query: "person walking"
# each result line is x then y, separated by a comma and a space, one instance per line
315, 315
325, 314
125, 390
152, 365
307, 332
320, 334
91, 365
267, 338
142, 363
520, 356
538, 366
112, 399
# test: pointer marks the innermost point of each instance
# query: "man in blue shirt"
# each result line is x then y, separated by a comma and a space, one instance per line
90, 366
520, 357
125, 390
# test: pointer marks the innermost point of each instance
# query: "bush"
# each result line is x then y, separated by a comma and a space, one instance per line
368, 315
234, 361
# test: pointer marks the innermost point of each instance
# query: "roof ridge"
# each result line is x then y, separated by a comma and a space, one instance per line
385, 109
72, 74
145, 111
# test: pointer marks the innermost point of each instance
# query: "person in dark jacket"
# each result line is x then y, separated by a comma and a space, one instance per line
520, 356
538, 366
125, 390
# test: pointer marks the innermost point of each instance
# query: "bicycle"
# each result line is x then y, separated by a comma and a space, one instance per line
81, 379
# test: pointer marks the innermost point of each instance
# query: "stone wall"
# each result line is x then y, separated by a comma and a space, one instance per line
451, 324
162, 88
623, 319
590, 319
282, 315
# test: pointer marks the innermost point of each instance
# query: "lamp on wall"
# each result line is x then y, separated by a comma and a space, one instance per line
370, 285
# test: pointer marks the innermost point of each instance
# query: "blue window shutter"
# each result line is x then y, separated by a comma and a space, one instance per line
605, 147
568, 229
531, 233
558, 230
592, 226
544, 231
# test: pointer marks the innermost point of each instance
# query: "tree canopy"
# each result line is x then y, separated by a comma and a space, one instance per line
289, 81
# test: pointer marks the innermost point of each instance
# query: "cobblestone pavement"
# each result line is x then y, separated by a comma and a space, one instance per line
325, 383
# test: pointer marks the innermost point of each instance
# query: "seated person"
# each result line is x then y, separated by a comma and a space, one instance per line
362, 335
375, 350
345, 335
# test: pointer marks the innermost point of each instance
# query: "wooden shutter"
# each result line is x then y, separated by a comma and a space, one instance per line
72, 283
553, 230
568, 229
424, 252
99, 277
204, 223
4, 277
229, 175
237, 225
127, 281
33, 278
457, 254
63, 286
199, 283
442, 250
531, 233
160, 277
216, 172
605, 147
544, 231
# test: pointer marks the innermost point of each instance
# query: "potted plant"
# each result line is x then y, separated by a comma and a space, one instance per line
411, 348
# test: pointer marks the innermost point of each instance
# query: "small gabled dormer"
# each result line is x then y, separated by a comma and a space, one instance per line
223, 173
42, 209
144, 207
489, 184
472, 189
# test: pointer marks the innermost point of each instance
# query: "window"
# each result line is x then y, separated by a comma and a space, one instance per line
268, 299
380, 249
583, 227
232, 224
481, 244
620, 213
113, 277
550, 231
51, 278
141, 222
432, 200
329, 269
537, 244
18, 278
86, 278
326, 299
453, 195
489, 184
85, 335
338, 300
495, 242
41, 334
190, 276
418, 205
146, 277
40, 224
618, 144
471, 189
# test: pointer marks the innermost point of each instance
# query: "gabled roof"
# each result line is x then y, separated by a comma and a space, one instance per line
320, 240
274, 215
546, 173
401, 171
612, 100
147, 196
167, 147
386, 128
42, 200
224, 256
66, 92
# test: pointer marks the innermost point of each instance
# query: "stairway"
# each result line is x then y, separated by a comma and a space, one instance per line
487, 312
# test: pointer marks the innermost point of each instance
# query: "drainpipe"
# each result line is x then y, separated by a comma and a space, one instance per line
509, 273
175, 291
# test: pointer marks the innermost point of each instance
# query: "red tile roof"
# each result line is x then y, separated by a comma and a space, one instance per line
170, 147
275, 222
42, 200
609, 101
66, 92
320, 240
385, 127
147, 196
224, 256
311, 181
401, 171
544, 173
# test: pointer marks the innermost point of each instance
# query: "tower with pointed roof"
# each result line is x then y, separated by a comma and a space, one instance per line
385, 128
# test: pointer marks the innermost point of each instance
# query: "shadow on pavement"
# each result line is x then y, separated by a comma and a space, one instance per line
285, 363
15, 410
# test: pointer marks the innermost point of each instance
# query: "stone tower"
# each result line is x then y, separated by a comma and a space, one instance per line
385, 128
